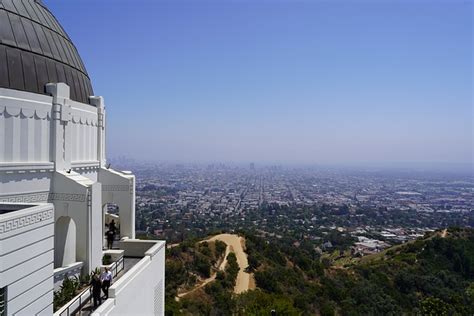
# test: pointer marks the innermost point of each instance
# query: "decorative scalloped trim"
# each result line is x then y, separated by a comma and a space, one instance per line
13, 110
85, 120
27, 112
42, 114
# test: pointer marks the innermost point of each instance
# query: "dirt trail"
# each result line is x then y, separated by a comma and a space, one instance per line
204, 283
235, 244
444, 233
244, 281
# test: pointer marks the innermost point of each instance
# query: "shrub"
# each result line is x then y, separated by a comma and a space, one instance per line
106, 259
68, 290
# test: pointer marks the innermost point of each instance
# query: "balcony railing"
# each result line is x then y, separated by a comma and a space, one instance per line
78, 302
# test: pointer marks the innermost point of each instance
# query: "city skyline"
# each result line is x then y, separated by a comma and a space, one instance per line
305, 82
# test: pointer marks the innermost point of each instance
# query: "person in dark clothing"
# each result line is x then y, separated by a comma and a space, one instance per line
110, 238
96, 287
112, 227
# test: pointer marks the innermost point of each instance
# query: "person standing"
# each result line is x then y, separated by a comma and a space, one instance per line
96, 286
110, 238
106, 279
112, 226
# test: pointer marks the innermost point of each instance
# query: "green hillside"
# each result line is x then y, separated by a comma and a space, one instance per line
430, 276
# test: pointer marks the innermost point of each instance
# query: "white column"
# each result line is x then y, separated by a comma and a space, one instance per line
99, 103
61, 134
95, 225
126, 206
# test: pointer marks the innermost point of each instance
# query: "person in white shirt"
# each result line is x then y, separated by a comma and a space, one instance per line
106, 279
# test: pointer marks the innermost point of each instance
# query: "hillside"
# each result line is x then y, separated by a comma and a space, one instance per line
430, 276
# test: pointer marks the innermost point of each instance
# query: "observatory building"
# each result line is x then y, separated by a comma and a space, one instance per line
56, 188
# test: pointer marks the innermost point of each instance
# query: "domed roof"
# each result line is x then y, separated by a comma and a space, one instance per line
35, 50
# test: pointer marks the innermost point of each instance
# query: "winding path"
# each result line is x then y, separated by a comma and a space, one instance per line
235, 244
244, 280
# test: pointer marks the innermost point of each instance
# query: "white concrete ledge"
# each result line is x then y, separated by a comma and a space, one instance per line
66, 269
128, 277
105, 308
155, 249
115, 254
85, 164
137, 247
14, 166
135, 293
74, 269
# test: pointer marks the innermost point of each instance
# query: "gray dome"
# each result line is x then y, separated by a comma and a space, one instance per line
35, 50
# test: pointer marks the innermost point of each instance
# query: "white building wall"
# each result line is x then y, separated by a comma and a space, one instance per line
25, 127
84, 130
26, 259
52, 151
41, 138
119, 188
141, 291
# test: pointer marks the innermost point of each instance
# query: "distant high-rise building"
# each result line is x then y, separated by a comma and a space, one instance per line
252, 166
55, 184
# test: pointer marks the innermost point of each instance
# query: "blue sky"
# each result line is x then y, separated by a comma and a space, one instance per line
280, 81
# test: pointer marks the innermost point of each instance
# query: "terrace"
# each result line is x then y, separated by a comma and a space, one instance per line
133, 261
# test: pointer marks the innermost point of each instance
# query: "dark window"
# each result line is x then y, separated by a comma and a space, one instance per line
3, 301
15, 69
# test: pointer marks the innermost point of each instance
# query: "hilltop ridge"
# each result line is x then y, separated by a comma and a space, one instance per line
431, 275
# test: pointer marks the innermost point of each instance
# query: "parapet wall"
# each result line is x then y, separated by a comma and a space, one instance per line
141, 291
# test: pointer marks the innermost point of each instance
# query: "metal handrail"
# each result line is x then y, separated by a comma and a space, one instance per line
81, 303
117, 267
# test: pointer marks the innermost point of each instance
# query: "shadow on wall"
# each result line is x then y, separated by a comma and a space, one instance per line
64, 242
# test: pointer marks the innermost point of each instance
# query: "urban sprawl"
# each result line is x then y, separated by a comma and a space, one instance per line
365, 211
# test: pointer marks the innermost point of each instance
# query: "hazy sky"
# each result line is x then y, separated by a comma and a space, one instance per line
280, 81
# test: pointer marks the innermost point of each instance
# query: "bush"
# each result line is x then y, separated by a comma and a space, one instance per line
106, 259
68, 290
